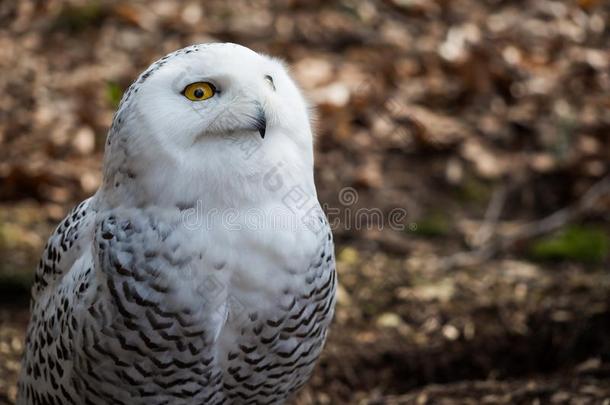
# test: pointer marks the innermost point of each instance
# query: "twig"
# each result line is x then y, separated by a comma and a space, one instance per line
494, 210
530, 230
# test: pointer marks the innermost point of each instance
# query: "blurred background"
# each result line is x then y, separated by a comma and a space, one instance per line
478, 131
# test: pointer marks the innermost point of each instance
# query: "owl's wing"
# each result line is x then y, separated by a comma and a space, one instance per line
147, 311
68, 243
118, 308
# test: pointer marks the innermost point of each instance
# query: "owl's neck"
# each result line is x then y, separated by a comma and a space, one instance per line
217, 173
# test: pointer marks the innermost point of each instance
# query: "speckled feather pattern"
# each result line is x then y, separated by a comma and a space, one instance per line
130, 306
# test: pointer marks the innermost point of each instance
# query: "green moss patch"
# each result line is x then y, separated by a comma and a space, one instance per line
584, 244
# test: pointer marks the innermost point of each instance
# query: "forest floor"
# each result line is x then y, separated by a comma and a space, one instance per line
478, 131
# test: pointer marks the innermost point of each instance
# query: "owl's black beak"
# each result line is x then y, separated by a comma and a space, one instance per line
261, 123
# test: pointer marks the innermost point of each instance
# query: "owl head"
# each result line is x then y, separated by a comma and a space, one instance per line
210, 116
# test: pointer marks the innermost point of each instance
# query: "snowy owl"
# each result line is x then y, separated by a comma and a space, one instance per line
202, 271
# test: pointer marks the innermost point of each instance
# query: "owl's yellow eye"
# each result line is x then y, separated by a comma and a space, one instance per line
199, 91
